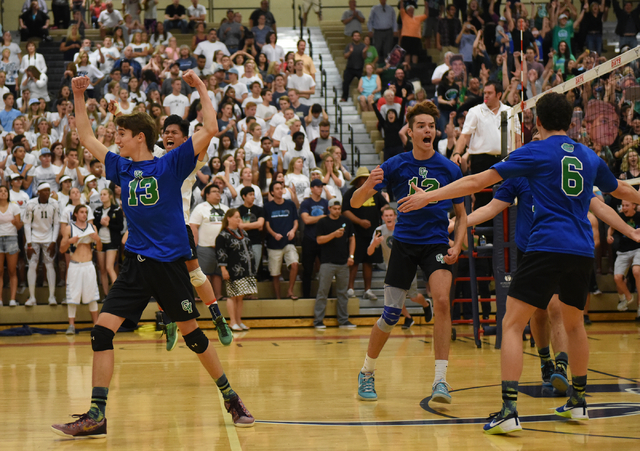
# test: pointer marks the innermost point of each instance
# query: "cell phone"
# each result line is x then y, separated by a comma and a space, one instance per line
378, 233
632, 93
344, 225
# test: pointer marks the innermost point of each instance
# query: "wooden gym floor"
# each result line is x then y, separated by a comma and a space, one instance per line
301, 384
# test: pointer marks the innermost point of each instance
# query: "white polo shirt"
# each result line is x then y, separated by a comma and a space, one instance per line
484, 127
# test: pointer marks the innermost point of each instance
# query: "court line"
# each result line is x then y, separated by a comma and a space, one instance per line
584, 435
232, 434
271, 339
614, 375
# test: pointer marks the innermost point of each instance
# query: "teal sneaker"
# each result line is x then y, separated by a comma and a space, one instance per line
441, 392
367, 387
171, 331
225, 336
502, 424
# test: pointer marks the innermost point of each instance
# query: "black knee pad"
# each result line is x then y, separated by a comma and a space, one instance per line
197, 341
101, 338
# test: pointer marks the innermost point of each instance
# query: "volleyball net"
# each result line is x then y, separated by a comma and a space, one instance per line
606, 116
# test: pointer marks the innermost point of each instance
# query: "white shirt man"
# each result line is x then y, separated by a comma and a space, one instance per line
483, 125
110, 19
303, 83
46, 173
177, 104
196, 11
209, 47
241, 89
265, 110
41, 228
109, 53
207, 217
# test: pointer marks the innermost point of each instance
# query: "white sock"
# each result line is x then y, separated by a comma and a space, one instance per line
621, 297
369, 365
441, 371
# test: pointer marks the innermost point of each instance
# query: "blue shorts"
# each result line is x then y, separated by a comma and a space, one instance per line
9, 245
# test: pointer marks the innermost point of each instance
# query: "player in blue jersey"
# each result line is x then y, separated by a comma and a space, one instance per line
155, 251
420, 239
546, 325
559, 254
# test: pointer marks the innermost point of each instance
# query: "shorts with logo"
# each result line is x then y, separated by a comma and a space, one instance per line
405, 259
141, 278
541, 274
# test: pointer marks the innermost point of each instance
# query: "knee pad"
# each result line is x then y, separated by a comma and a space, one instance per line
197, 341
197, 277
101, 339
390, 317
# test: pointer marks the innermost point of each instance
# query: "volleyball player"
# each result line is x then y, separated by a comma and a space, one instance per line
175, 133
155, 252
420, 239
561, 175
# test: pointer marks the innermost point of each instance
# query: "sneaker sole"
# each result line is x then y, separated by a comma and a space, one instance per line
560, 383
82, 437
500, 430
244, 425
442, 399
571, 415
362, 398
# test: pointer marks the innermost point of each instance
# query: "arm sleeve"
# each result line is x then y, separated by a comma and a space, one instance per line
112, 167
196, 216
28, 216
304, 207
182, 161
221, 252
320, 228
470, 123
506, 192
56, 221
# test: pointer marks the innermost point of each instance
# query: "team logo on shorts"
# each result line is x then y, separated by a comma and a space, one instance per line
422, 172
440, 259
137, 174
186, 306
567, 147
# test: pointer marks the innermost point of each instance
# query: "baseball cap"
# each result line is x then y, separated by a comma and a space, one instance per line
563, 16
45, 151
64, 178
32, 101
233, 70
15, 176
89, 178
316, 182
334, 201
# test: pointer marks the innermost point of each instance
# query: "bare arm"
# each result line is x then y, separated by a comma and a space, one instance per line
367, 190
460, 229
308, 219
626, 192
85, 132
202, 139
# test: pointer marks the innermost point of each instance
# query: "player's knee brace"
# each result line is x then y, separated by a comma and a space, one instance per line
101, 338
197, 341
197, 277
393, 302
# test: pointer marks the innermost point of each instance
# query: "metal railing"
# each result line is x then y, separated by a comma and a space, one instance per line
323, 87
338, 113
293, 9
355, 160
352, 142
301, 20
310, 42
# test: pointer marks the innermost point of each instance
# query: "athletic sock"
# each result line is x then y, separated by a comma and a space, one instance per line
562, 361
215, 310
369, 364
509, 397
579, 386
225, 387
441, 371
622, 297
544, 354
98, 403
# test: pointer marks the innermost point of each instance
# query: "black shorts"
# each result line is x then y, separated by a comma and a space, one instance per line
411, 45
192, 244
405, 259
142, 277
520, 256
110, 247
360, 255
541, 274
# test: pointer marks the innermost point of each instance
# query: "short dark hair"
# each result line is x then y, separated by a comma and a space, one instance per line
208, 188
554, 111
265, 138
356, 31
316, 108
140, 123
265, 91
496, 85
177, 120
296, 135
7, 94
274, 183
424, 107
93, 162
246, 190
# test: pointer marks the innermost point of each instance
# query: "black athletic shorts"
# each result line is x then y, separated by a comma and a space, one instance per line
192, 244
405, 259
520, 256
110, 247
541, 274
142, 277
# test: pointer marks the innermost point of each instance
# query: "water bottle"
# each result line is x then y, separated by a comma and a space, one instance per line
482, 241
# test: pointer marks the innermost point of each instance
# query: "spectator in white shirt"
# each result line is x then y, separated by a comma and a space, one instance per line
209, 47
246, 178
176, 103
265, 110
253, 146
31, 58
299, 150
107, 55
240, 88
109, 19
46, 172
304, 83
196, 14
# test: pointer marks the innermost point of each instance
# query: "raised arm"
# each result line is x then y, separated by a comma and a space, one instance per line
609, 216
202, 139
85, 132
367, 190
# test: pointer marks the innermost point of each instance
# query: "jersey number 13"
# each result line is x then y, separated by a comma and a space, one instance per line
147, 198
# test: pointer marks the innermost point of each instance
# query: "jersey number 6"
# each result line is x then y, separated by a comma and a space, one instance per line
427, 184
572, 181
150, 195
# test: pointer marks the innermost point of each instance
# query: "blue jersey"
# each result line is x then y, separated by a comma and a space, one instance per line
152, 201
429, 224
561, 175
508, 191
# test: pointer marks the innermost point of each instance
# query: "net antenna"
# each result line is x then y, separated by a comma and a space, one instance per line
598, 71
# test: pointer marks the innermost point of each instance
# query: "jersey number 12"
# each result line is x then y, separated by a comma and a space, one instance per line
150, 195
427, 184
572, 181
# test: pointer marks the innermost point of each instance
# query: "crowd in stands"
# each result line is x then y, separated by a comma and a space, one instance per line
271, 133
